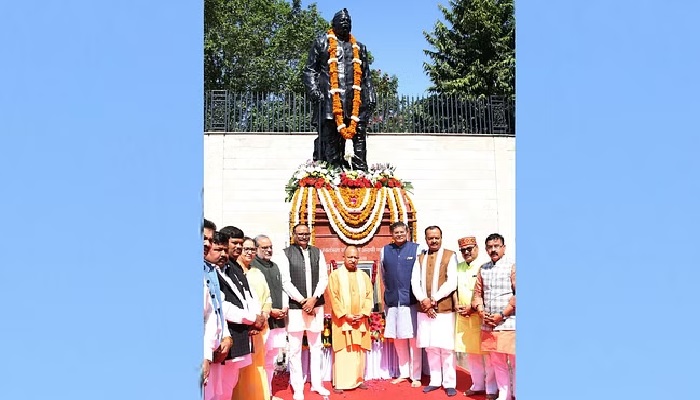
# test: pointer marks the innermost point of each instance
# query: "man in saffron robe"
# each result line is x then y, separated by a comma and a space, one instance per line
330, 145
351, 297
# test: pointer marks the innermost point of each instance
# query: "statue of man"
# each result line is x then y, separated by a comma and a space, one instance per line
338, 79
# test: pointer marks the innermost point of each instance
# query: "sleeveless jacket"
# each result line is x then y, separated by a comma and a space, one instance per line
297, 272
397, 268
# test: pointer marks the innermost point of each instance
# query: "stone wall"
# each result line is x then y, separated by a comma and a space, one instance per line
463, 183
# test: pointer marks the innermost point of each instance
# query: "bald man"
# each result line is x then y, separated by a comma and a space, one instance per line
351, 301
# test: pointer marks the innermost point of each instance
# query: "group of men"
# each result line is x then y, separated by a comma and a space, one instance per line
255, 304
436, 303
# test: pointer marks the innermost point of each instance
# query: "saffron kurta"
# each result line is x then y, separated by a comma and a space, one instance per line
252, 383
467, 329
350, 294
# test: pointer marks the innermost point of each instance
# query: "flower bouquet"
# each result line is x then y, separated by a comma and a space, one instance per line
376, 326
355, 179
326, 338
382, 175
318, 174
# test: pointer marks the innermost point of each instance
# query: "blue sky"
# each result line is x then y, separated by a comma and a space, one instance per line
393, 32
101, 174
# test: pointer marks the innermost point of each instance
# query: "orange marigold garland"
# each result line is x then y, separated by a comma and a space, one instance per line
394, 208
350, 217
415, 216
347, 132
312, 216
354, 234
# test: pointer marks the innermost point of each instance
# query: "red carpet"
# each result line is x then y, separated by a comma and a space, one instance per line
377, 389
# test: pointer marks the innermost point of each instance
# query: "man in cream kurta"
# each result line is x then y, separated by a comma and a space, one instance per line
433, 281
253, 378
468, 324
351, 300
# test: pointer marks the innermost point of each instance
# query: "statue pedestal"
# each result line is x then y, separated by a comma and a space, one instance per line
333, 216
325, 235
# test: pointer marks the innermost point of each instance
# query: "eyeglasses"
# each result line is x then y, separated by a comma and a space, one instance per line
266, 247
467, 249
303, 234
249, 249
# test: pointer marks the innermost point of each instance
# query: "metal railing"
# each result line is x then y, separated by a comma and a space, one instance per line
226, 111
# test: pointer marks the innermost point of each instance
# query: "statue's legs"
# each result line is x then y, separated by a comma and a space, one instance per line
318, 124
318, 154
359, 142
330, 144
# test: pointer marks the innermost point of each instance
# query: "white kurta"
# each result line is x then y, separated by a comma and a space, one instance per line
213, 330
246, 315
435, 332
298, 320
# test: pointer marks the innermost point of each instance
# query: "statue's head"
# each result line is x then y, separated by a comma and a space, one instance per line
342, 24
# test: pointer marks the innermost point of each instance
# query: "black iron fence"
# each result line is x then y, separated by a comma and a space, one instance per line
226, 111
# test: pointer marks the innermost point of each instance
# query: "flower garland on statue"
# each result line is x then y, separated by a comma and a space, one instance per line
354, 201
304, 212
415, 218
352, 227
347, 132
347, 233
345, 195
351, 216
319, 174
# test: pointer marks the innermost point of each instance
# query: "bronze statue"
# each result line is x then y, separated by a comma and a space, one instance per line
338, 79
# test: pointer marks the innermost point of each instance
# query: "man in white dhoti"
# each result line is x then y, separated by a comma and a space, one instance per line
397, 260
433, 281
304, 275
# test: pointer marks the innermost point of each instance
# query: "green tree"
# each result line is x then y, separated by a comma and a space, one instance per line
257, 45
475, 54
385, 85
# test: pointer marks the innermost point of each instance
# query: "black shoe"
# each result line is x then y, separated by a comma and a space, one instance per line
429, 389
